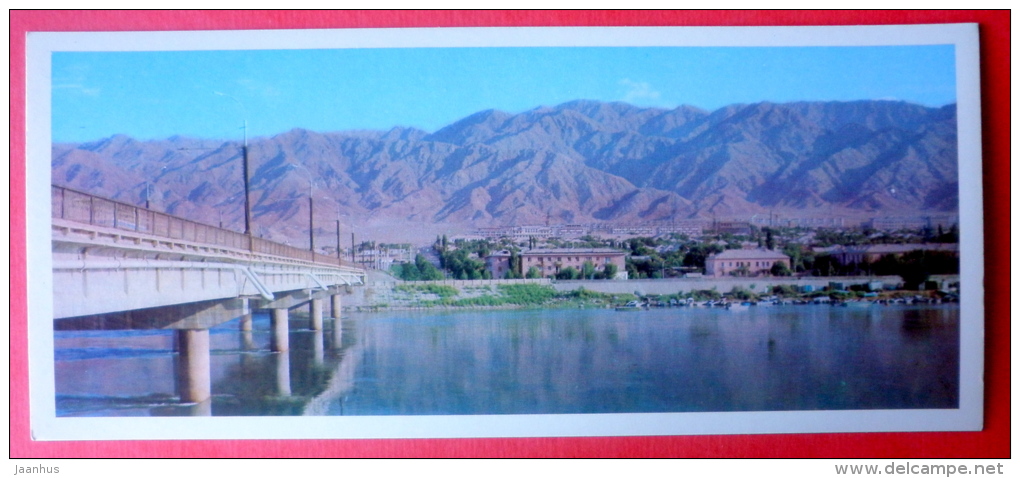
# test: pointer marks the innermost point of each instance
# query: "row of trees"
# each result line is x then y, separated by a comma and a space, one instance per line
676, 254
588, 271
420, 269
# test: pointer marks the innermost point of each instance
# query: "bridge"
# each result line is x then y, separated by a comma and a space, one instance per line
117, 266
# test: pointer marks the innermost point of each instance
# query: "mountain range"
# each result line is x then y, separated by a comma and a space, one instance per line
578, 162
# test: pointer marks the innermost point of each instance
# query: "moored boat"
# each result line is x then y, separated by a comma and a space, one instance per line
631, 306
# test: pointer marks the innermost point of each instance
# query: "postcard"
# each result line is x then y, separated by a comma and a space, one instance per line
504, 232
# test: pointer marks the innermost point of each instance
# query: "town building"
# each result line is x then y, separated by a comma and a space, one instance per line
550, 261
732, 227
847, 255
744, 262
693, 228
898, 223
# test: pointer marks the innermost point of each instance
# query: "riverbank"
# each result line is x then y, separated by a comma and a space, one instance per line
383, 292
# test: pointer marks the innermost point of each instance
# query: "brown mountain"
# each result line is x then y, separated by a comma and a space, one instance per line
578, 162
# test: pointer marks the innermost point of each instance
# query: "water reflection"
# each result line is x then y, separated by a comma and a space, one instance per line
538, 361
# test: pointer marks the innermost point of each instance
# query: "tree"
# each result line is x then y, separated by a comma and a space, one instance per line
534, 273
406, 271
741, 271
739, 293
567, 273
780, 269
515, 265
609, 272
588, 270
426, 270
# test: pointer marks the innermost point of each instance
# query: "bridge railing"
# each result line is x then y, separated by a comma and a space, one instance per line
85, 208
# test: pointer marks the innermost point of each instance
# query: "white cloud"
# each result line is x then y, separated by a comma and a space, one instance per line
78, 88
639, 92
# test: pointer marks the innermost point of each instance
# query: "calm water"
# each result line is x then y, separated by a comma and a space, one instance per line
537, 361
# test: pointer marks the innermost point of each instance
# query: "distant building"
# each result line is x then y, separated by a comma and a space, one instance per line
732, 227
847, 255
691, 228
834, 221
748, 262
570, 230
897, 223
551, 261
642, 230
515, 232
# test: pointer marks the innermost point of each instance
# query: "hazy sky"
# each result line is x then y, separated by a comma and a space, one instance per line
151, 95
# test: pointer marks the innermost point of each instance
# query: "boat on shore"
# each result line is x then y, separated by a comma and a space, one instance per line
856, 303
631, 306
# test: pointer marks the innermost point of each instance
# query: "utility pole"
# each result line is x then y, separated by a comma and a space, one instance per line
338, 237
247, 192
244, 167
311, 223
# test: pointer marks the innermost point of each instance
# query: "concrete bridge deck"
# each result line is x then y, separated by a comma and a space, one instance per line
120, 266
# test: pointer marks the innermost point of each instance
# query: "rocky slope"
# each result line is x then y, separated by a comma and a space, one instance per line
578, 162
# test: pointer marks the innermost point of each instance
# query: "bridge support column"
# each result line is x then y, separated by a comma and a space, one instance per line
281, 330
334, 306
194, 373
319, 347
246, 323
282, 374
202, 409
315, 312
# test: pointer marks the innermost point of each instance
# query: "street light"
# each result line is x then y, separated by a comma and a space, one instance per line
244, 164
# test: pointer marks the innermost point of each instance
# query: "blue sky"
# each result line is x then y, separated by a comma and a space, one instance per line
208, 94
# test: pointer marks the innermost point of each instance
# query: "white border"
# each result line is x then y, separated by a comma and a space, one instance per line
45, 425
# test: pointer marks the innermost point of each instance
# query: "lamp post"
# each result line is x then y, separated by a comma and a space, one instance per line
244, 165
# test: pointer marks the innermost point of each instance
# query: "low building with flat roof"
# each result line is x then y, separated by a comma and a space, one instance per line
745, 262
551, 261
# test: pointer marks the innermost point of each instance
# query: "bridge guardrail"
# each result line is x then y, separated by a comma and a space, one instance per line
85, 208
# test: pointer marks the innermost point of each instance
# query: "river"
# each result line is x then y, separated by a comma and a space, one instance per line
541, 361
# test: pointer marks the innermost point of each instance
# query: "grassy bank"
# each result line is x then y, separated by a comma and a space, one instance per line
424, 296
498, 296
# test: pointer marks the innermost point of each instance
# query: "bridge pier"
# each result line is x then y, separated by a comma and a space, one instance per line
202, 409
279, 320
334, 306
319, 348
246, 321
315, 312
282, 374
194, 376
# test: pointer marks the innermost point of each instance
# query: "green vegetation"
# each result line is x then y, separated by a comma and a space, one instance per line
422, 269
527, 294
917, 266
508, 295
443, 291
